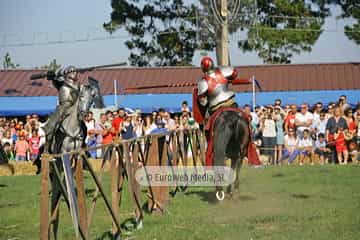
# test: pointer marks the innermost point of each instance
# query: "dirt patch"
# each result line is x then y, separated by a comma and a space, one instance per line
278, 175
300, 196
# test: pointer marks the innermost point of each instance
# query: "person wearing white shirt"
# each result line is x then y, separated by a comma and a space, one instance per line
303, 120
268, 129
305, 145
319, 125
290, 143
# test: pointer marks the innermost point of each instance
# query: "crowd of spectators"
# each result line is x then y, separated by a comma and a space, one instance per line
289, 132
283, 133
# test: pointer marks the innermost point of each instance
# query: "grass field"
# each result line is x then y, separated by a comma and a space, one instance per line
310, 202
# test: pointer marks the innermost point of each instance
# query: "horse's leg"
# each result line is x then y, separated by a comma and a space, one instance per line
243, 130
222, 135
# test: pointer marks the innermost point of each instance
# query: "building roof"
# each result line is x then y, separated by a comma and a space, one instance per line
294, 77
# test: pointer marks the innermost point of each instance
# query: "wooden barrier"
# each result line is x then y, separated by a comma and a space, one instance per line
171, 148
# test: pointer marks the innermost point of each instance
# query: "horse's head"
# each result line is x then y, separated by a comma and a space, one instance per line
85, 100
89, 95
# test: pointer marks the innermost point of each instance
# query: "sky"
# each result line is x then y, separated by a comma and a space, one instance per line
39, 21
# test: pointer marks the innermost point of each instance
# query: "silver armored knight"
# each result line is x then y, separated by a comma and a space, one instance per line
67, 83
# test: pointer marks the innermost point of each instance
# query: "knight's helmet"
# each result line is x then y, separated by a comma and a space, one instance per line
68, 69
207, 64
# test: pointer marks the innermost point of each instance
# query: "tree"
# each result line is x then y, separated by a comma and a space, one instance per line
7, 62
351, 9
163, 32
284, 28
53, 66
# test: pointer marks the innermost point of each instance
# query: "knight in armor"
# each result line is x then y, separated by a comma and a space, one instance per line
212, 88
67, 83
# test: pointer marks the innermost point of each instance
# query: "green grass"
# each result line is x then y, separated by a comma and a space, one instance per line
312, 202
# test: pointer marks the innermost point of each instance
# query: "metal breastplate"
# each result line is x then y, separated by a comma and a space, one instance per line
218, 91
69, 92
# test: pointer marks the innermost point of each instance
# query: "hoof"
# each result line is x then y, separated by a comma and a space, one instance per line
220, 195
139, 225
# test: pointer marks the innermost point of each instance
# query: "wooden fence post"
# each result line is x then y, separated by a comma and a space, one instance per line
79, 178
44, 197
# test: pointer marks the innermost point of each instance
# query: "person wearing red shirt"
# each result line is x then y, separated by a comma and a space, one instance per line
340, 146
34, 143
290, 119
118, 119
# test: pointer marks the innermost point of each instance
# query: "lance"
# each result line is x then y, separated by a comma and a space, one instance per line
52, 74
238, 81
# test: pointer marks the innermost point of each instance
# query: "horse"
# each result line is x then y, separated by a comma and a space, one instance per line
231, 136
70, 135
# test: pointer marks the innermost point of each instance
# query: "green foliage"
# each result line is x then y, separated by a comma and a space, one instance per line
351, 9
284, 28
53, 66
163, 33
8, 63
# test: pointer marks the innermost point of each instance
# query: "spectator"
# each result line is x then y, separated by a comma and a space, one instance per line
139, 126
277, 103
343, 103
350, 121
317, 111
21, 147
303, 120
177, 121
149, 125
169, 122
7, 138
279, 120
90, 126
154, 115
340, 145
330, 111
127, 129
321, 150
8, 152
305, 145
34, 145
332, 126
290, 119
291, 143
269, 136
185, 107
319, 125
92, 142
119, 117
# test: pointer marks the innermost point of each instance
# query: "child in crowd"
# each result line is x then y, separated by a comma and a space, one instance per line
8, 152
305, 144
21, 147
290, 142
34, 144
321, 149
340, 145
91, 142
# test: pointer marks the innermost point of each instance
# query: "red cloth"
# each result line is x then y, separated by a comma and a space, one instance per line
199, 118
209, 160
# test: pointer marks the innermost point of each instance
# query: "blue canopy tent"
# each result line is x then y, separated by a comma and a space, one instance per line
20, 106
